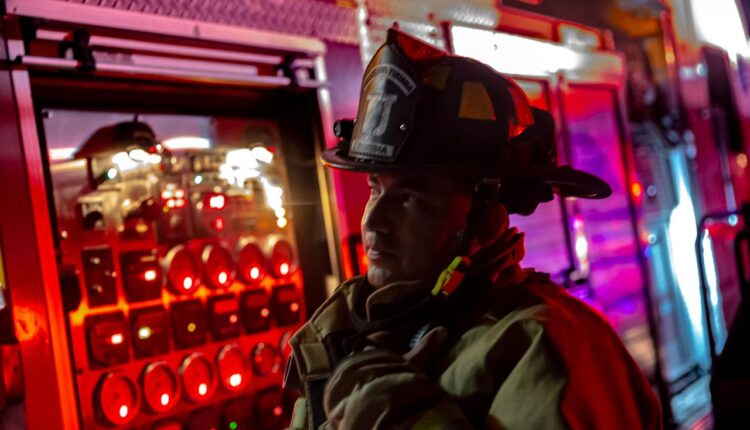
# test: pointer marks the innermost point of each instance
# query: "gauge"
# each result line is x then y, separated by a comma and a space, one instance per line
198, 377
161, 387
218, 266
182, 270
252, 263
265, 359
282, 259
117, 399
233, 371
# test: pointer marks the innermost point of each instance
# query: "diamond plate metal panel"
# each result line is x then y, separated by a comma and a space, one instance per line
334, 21
420, 18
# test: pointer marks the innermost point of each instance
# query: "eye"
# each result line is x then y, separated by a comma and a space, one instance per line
410, 199
374, 188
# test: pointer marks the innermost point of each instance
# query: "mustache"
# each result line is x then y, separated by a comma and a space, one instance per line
379, 243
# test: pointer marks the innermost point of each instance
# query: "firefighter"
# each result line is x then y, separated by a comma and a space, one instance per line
446, 330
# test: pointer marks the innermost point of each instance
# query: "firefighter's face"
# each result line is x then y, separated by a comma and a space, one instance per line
412, 225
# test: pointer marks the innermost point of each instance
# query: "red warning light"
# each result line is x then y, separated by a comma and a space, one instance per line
294, 307
182, 270
218, 266
265, 312
277, 411
232, 368
282, 259
251, 263
218, 223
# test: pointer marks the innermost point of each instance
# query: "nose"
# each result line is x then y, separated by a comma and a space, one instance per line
376, 218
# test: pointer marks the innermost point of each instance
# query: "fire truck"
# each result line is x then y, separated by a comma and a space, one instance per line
166, 224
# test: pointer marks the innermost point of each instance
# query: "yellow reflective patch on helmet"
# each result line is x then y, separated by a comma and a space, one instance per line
475, 102
437, 77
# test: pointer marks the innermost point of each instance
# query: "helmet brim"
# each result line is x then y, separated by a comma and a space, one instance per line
564, 181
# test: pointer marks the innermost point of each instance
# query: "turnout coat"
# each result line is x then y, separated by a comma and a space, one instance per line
521, 354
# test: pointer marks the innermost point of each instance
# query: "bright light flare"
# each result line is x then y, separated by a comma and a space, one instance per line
116, 339
284, 269
144, 333
202, 389
149, 275
187, 283
124, 411
254, 273
186, 142
164, 399
235, 380
223, 277
59, 154
515, 55
217, 201
262, 154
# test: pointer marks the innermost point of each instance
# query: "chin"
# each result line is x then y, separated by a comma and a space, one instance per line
378, 277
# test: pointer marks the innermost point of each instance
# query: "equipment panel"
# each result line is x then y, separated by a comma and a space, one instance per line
182, 281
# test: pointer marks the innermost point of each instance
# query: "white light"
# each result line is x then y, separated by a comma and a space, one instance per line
186, 142
112, 173
515, 54
262, 154
242, 158
223, 278
58, 154
123, 161
116, 339
150, 275
235, 380
274, 199
239, 166
187, 283
281, 222
718, 22
681, 234
202, 389
582, 247
164, 399
136, 158
138, 155
144, 157
254, 273
284, 268
124, 411
198, 179
144, 333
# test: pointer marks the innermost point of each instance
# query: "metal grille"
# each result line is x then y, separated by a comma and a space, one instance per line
331, 21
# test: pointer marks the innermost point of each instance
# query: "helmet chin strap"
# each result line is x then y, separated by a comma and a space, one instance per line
452, 276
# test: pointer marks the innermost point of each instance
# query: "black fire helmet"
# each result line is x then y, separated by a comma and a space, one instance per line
422, 109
